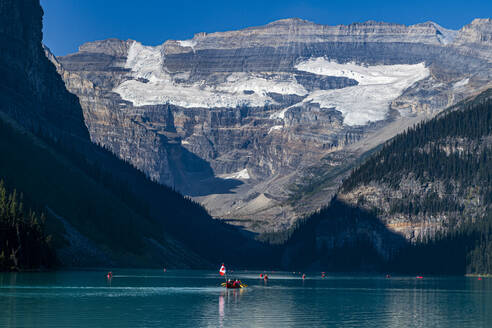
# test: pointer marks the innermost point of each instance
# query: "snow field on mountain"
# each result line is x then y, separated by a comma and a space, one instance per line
146, 62
369, 100
240, 175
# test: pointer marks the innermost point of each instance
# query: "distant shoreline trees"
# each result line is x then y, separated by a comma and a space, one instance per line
23, 243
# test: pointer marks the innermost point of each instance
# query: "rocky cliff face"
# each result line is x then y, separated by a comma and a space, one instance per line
261, 124
28, 90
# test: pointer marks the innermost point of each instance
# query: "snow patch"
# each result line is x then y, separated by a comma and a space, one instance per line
187, 43
369, 100
275, 127
461, 83
240, 175
280, 115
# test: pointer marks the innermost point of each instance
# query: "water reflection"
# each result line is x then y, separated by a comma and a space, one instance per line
221, 310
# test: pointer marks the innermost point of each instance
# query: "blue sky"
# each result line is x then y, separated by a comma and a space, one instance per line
69, 23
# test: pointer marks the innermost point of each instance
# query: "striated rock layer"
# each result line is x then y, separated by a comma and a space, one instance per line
260, 125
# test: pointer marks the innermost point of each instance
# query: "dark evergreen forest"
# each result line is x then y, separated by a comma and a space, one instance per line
24, 244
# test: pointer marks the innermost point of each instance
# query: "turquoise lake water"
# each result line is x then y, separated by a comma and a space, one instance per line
153, 298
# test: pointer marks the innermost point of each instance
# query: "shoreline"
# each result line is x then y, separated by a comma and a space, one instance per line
476, 275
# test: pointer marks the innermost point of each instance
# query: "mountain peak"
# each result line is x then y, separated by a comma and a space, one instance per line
111, 46
479, 32
446, 36
481, 21
291, 21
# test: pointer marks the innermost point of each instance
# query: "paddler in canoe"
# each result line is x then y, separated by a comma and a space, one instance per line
233, 284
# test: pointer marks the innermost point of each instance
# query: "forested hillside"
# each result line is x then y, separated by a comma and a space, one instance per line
431, 186
76, 196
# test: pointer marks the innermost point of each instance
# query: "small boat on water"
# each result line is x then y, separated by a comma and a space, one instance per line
236, 284
233, 286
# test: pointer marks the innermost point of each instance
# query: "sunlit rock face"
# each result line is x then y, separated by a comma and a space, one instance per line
261, 124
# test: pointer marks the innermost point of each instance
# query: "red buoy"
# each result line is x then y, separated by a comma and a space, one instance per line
479, 278
420, 277
261, 275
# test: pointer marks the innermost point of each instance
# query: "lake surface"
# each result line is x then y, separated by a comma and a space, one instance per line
153, 298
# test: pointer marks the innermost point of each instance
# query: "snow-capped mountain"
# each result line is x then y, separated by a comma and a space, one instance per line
260, 124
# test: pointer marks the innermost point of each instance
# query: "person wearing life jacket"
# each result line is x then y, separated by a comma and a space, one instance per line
236, 284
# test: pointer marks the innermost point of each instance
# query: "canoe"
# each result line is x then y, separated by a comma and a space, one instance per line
231, 287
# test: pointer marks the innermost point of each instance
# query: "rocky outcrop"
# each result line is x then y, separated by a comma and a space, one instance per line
476, 38
244, 121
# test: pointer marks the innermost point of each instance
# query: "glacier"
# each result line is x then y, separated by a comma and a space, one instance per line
366, 102
369, 100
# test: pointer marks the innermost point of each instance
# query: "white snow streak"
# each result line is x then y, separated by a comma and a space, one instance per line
275, 127
461, 83
281, 114
240, 175
187, 43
